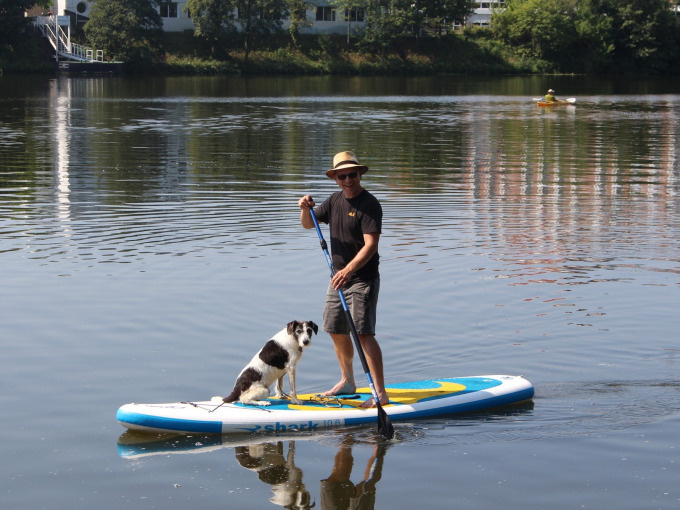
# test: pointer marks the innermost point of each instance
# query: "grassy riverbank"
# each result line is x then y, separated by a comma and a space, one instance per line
326, 54
468, 52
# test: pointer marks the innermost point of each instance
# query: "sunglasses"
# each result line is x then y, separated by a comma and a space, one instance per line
351, 175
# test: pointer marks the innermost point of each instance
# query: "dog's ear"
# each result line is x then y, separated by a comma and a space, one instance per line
314, 327
291, 327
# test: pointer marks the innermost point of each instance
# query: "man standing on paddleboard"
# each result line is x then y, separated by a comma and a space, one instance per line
354, 217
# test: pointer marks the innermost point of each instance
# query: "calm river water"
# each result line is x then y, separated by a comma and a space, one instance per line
149, 244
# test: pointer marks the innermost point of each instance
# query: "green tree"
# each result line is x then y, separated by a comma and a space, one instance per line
591, 35
646, 35
127, 30
594, 48
442, 14
298, 18
12, 19
258, 18
386, 22
214, 21
348, 10
539, 31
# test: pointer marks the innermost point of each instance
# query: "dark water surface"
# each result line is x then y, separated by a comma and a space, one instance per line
149, 244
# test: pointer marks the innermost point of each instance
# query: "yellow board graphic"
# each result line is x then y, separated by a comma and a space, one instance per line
397, 396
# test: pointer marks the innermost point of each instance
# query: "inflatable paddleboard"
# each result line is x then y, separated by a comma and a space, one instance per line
410, 400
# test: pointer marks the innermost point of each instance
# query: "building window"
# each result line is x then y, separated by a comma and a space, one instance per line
168, 9
354, 15
325, 14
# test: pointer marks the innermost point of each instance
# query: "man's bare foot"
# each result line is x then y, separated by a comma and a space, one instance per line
342, 388
370, 402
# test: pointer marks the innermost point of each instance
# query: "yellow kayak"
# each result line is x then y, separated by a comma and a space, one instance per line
554, 103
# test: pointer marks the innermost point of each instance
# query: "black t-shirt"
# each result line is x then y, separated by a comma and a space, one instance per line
349, 219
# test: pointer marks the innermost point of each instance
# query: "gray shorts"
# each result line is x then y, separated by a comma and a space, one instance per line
362, 301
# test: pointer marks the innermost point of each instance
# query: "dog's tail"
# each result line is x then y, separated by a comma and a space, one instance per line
233, 396
243, 382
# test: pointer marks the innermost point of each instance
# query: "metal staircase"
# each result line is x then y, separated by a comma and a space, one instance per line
52, 27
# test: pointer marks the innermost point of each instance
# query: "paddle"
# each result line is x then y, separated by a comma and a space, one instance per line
385, 427
567, 100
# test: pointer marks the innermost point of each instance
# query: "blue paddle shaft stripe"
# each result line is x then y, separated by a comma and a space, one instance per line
157, 422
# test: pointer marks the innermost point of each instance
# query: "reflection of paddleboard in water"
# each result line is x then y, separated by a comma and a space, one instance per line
135, 444
416, 399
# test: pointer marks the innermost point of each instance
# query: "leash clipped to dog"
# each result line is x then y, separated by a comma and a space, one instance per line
385, 427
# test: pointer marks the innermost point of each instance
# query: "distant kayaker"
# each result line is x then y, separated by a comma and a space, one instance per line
550, 96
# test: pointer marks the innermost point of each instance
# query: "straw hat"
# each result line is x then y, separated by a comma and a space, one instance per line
344, 160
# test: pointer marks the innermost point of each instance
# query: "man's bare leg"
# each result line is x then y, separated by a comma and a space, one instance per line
344, 350
375, 364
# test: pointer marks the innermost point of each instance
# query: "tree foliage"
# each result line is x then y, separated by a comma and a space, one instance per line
590, 35
127, 30
297, 10
214, 21
345, 8
12, 20
220, 20
442, 14
539, 30
645, 34
390, 20
259, 18
387, 21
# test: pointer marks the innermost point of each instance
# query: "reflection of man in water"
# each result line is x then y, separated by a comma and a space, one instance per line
339, 493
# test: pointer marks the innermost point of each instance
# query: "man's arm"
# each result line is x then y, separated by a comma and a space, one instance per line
370, 248
305, 204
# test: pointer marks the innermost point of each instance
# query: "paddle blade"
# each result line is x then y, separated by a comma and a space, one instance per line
570, 100
385, 427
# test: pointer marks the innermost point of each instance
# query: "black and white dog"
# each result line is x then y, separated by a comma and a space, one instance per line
279, 356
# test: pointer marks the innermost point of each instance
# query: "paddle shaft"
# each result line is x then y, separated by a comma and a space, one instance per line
567, 100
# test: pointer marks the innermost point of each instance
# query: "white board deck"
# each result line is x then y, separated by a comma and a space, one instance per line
410, 400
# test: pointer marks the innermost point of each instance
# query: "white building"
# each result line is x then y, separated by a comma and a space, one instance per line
483, 12
321, 14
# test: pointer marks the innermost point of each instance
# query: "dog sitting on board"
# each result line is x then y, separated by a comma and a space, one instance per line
278, 357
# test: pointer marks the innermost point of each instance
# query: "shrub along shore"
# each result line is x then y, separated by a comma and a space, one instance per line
470, 51
313, 55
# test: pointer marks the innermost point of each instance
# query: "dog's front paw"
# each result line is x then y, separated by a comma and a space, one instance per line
296, 401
